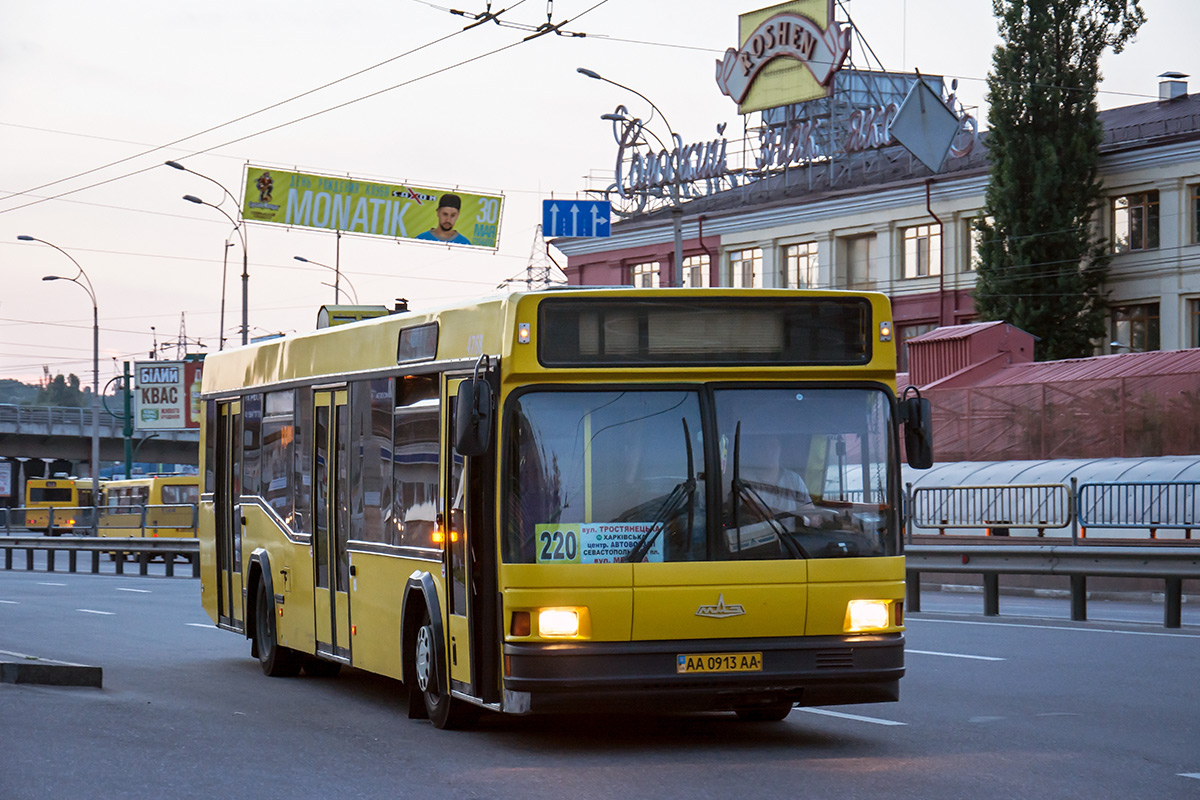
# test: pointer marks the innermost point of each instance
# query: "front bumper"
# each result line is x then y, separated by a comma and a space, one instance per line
808, 671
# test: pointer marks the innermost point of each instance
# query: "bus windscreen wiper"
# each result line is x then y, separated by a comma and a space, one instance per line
743, 488
684, 490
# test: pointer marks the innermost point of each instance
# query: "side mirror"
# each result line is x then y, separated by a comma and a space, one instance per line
473, 418
916, 415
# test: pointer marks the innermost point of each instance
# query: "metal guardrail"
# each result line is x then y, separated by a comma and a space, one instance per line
1173, 505
143, 549
1171, 564
45, 419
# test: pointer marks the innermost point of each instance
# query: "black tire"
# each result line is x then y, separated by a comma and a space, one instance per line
444, 711
277, 661
775, 712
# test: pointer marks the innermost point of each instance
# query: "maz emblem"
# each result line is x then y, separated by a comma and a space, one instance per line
720, 610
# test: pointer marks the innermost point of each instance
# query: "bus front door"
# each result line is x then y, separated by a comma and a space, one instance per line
331, 581
229, 515
471, 607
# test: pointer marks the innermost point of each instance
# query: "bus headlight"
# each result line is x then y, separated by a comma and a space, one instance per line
867, 615
558, 622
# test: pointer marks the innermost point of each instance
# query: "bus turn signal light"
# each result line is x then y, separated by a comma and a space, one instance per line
520, 623
867, 615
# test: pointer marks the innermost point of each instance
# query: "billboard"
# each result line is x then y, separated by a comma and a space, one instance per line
167, 395
786, 54
397, 211
6, 487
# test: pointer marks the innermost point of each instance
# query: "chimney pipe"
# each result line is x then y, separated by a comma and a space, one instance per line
1171, 86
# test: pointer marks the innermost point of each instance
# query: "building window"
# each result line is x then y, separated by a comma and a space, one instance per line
906, 332
1196, 213
800, 266
922, 251
644, 276
1135, 222
1194, 323
695, 271
860, 260
1135, 328
745, 267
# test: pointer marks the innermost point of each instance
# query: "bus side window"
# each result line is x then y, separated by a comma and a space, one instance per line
415, 461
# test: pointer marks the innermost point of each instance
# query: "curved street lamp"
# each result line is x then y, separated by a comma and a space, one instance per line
241, 235
191, 198
86, 285
676, 210
337, 276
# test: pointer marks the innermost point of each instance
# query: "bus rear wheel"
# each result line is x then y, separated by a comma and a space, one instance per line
444, 711
277, 661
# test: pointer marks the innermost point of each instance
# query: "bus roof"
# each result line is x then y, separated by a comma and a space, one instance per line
457, 334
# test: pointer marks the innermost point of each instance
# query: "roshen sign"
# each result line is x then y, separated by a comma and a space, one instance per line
788, 54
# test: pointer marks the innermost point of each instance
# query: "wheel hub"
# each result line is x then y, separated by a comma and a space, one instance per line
424, 658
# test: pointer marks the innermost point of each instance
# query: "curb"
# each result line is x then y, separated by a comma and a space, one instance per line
21, 668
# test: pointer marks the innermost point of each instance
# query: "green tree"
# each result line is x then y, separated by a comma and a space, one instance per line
1042, 264
63, 392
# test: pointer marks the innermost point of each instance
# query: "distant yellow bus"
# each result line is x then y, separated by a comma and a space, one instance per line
70, 499
150, 506
680, 499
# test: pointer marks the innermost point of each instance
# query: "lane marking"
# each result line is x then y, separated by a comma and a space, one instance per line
94, 611
10, 602
1195, 775
40, 583
1054, 627
952, 655
139, 591
855, 717
210, 626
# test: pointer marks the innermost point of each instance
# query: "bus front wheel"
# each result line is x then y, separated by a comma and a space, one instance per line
443, 710
277, 661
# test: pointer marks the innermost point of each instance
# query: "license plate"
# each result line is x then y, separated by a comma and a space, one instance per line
719, 662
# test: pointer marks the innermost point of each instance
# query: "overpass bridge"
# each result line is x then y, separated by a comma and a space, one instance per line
66, 433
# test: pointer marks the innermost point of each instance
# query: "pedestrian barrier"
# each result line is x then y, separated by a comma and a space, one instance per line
996, 509
1154, 506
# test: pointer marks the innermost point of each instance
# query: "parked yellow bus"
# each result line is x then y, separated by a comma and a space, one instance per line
68, 500
150, 506
681, 499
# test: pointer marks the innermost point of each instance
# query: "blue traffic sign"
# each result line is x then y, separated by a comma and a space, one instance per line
576, 217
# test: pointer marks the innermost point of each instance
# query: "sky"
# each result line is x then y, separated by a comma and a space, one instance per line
94, 97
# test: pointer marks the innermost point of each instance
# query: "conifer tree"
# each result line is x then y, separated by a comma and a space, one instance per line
1042, 264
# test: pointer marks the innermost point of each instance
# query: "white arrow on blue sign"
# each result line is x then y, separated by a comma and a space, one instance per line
576, 217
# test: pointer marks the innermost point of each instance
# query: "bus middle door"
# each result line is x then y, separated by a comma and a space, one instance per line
229, 514
331, 581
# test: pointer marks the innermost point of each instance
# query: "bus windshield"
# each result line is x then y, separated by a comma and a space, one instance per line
609, 476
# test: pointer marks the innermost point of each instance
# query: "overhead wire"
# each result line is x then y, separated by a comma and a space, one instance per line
241, 118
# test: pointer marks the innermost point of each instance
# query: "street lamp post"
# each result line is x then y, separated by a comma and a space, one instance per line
86, 284
241, 235
337, 296
676, 209
191, 198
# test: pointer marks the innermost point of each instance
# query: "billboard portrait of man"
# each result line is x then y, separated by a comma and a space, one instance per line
447, 217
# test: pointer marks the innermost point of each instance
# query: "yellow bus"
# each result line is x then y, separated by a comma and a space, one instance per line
150, 506
68, 500
583, 499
